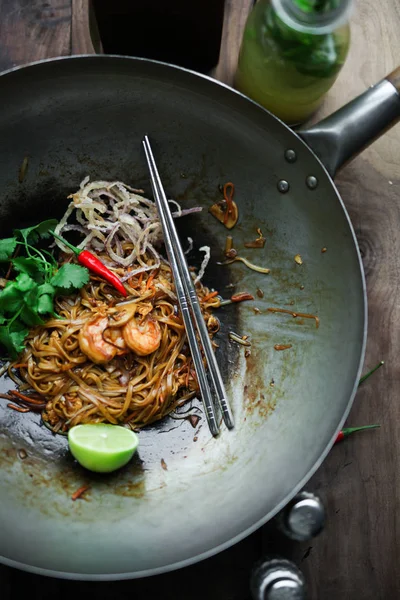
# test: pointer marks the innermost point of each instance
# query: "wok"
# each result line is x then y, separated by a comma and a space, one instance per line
86, 116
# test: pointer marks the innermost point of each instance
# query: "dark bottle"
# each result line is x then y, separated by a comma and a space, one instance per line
175, 31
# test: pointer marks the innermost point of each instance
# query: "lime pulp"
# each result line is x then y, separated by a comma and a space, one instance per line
101, 447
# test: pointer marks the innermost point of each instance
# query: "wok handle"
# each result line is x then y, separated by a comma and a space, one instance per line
394, 78
344, 134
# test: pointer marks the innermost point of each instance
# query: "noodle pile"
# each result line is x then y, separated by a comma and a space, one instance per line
123, 230
130, 389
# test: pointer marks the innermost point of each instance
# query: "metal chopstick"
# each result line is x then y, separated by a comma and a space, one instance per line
180, 292
189, 296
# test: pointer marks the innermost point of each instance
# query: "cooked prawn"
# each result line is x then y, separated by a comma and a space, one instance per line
114, 336
143, 337
92, 342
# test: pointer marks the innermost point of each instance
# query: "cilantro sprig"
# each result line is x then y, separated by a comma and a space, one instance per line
28, 299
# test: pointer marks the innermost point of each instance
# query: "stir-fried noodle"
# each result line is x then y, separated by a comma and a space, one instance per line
103, 359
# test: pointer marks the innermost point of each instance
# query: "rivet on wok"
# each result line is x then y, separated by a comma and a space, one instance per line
290, 155
283, 186
312, 182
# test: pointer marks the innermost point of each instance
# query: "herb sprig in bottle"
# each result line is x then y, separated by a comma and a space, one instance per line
291, 54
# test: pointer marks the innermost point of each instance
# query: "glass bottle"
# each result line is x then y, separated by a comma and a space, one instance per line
291, 54
178, 32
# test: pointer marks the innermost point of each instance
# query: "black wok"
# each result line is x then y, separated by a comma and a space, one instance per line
86, 116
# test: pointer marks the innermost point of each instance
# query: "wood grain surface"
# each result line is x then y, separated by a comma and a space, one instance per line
31, 30
83, 40
357, 554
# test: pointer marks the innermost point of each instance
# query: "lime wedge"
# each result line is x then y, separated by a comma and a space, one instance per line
102, 448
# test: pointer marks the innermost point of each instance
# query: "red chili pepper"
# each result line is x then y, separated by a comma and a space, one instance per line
87, 259
349, 430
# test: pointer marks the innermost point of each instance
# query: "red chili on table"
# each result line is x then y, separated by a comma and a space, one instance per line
349, 430
87, 259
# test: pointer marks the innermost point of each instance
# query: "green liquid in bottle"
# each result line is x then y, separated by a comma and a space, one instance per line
285, 70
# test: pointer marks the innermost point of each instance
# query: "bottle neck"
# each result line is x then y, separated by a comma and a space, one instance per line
313, 16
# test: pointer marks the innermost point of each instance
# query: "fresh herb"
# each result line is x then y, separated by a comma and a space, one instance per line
28, 299
70, 277
313, 55
7, 247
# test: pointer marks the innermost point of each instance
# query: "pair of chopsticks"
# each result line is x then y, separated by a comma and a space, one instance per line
190, 306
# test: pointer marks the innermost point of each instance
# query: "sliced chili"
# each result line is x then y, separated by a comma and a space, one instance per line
79, 492
210, 296
150, 281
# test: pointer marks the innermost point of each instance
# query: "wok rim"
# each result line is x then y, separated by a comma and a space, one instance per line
268, 516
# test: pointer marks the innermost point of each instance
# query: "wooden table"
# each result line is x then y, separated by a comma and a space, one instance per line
358, 553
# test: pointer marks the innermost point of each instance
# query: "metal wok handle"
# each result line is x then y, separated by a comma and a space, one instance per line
344, 134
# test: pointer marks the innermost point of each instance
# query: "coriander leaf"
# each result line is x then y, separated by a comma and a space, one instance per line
45, 304
7, 247
24, 282
2, 320
13, 339
16, 326
11, 299
70, 277
44, 228
46, 288
17, 339
29, 312
31, 298
30, 266
37, 231
30, 316
7, 342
